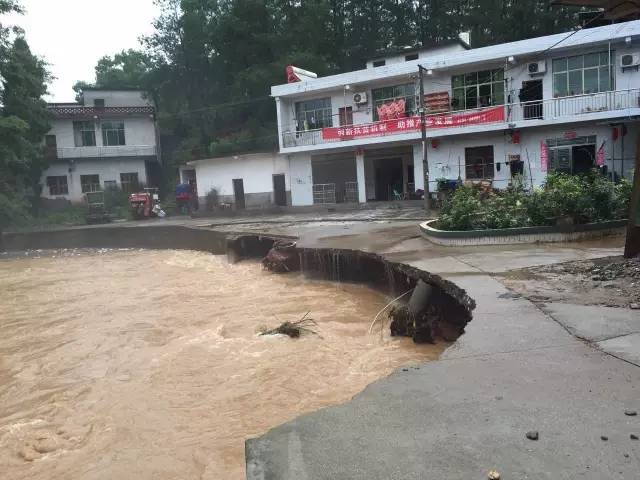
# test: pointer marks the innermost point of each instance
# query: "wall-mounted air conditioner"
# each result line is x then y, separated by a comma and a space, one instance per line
360, 98
537, 68
629, 60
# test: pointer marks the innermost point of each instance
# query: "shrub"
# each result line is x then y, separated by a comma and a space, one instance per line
584, 198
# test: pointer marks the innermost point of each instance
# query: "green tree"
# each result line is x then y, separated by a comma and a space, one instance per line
23, 122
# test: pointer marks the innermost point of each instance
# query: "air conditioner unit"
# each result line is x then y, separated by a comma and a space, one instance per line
359, 98
537, 68
630, 60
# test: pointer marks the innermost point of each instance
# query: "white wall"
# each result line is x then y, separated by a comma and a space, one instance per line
117, 98
107, 169
255, 170
301, 179
443, 160
137, 131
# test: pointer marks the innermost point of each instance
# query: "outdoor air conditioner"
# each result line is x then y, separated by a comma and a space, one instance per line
629, 60
359, 98
537, 68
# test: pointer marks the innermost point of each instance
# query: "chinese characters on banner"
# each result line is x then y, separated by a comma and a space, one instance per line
404, 125
600, 156
544, 156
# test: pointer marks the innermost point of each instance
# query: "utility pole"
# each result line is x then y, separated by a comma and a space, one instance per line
423, 128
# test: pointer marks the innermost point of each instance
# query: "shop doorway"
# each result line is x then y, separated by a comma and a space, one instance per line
583, 158
238, 193
279, 190
574, 156
389, 179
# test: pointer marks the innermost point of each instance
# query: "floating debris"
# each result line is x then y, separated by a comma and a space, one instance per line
294, 329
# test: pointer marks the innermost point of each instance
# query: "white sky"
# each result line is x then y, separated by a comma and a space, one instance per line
71, 35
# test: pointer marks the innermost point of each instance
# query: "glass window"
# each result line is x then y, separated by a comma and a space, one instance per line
580, 74
391, 94
129, 182
478, 89
479, 162
113, 134
58, 185
560, 84
312, 114
90, 183
84, 134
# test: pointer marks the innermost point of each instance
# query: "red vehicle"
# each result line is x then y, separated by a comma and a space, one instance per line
146, 204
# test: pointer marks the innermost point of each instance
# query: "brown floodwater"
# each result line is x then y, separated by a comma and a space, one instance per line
147, 365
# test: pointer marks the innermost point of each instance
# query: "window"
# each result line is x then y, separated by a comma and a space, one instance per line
411, 56
390, 94
478, 162
98, 102
90, 183
129, 182
580, 74
110, 185
477, 89
113, 134
312, 114
84, 134
346, 115
379, 63
58, 185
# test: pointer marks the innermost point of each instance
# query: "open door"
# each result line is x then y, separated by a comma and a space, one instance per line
279, 190
531, 99
238, 192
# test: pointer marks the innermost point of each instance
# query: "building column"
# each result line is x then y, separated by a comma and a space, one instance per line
418, 171
362, 184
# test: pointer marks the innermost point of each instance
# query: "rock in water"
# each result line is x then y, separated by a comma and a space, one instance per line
532, 435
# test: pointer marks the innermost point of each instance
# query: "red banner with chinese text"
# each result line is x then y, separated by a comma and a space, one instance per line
405, 125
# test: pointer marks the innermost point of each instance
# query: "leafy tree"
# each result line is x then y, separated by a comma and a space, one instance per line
23, 121
210, 63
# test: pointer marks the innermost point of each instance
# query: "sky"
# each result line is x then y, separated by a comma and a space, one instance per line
72, 35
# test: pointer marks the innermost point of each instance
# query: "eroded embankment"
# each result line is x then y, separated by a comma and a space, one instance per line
342, 265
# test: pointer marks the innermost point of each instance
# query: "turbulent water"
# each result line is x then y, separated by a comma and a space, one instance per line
146, 364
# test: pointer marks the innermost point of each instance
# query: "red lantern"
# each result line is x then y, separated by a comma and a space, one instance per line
614, 134
515, 137
435, 143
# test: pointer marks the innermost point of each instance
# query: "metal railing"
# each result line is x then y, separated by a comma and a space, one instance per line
573, 106
324, 193
555, 108
351, 192
105, 152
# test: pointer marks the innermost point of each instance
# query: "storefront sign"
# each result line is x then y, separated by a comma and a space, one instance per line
409, 124
544, 156
570, 135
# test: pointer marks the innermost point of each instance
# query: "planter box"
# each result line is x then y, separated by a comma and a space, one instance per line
505, 236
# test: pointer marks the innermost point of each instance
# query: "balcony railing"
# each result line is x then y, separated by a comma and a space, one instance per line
67, 110
106, 152
570, 108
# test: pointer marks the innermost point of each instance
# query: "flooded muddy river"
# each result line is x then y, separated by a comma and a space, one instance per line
146, 364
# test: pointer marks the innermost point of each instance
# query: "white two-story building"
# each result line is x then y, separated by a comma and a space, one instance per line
565, 102
109, 139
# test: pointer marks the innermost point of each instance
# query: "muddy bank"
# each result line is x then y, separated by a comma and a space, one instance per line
608, 281
428, 307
